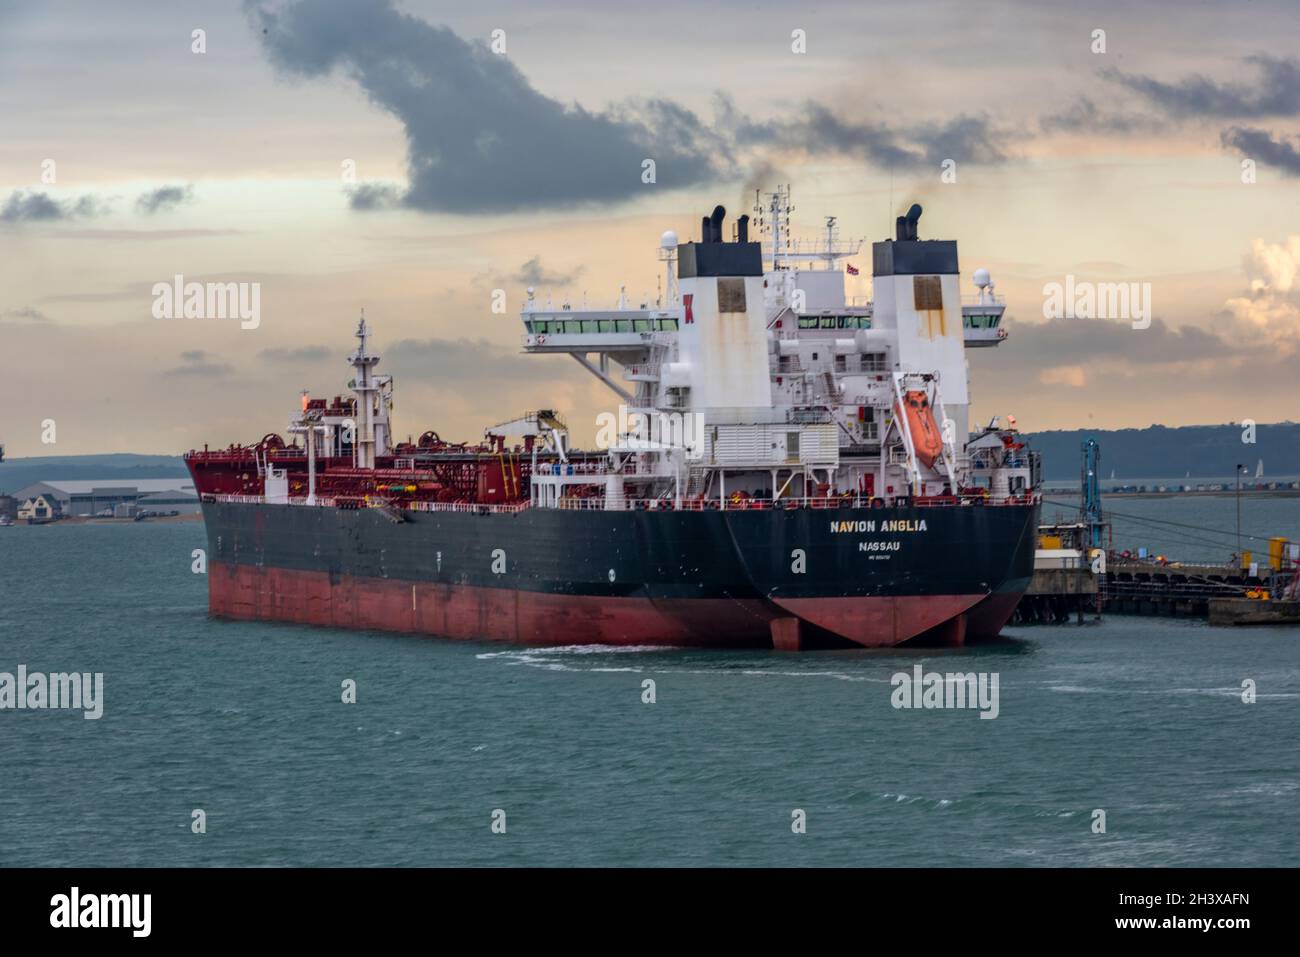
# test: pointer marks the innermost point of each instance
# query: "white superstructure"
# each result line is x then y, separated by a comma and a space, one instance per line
794, 392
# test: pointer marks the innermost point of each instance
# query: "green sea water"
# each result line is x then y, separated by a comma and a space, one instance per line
1141, 718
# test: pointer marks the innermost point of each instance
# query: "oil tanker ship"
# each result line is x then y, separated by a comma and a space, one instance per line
785, 469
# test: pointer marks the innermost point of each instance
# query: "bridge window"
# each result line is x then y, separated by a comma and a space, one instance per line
642, 325
606, 325
668, 325
828, 322
623, 325
572, 327
807, 322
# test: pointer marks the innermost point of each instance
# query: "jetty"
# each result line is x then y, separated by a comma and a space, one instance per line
1078, 572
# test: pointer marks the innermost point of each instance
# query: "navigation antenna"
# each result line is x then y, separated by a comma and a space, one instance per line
774, 220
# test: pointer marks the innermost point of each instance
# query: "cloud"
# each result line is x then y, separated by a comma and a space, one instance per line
533, 273
1072, 376
1260, 146
1064, 344
1083, 116
479, 137
164, 199
965, 138
368, 196
1276, 92
146, 235
25, 314
465, 361
300, 354
197, 365
1268, 313
32, 206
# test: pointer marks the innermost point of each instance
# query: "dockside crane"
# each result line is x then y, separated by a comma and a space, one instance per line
1091, 491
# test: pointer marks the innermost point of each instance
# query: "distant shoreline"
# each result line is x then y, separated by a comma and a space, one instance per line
1203, 493
103, 520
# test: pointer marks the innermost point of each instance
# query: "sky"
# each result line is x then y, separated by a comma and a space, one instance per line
412, 158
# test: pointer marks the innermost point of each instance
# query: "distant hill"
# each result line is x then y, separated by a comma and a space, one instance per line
17, 473
1205, 451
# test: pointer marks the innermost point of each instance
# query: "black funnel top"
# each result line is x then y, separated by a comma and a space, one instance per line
712, 256
908, 256
905, 226
715, 224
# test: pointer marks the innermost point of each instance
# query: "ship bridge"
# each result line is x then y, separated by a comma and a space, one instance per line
637, 339
613, 330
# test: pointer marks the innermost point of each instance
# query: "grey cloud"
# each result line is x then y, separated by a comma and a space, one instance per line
533, 273
300, 354
964, 138
1260, 146
467, 361
479, 136
1078, 341
146, 235
25, 314
163, 199
1275, 93
32, 206
198, 365
368, 196
1083, 116
820, 126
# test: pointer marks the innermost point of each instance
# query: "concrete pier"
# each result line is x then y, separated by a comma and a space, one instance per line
1056, 594
1247, 611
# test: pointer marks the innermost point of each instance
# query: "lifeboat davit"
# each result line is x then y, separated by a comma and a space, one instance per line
920, 422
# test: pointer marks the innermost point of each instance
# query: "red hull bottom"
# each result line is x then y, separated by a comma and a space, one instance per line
247, 592
989, 617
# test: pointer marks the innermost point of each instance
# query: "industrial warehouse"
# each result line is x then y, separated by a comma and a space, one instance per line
105, 498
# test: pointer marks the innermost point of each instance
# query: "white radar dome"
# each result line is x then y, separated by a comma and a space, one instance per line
982, 278
668, 240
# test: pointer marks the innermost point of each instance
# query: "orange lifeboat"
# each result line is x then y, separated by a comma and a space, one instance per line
920, 422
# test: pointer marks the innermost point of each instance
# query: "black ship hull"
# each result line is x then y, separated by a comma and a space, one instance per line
796, 578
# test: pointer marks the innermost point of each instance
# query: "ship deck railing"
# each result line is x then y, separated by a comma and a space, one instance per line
652, 504
820, 502
472, 507
328, 502
322, 501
